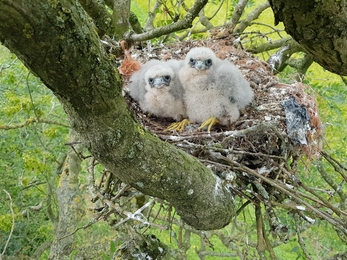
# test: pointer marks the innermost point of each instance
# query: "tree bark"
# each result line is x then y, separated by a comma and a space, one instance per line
101, 17
121, 14
69, 204
58, 42
319, 27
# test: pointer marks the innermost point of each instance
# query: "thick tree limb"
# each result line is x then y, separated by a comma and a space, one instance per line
121, 14
57, 41
319, 27
102, 19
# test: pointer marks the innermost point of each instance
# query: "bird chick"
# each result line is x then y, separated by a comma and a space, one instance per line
136, 86
215, 89
157, 89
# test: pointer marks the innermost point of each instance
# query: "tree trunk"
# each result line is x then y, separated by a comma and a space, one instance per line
319, 27
59, 43
69, 204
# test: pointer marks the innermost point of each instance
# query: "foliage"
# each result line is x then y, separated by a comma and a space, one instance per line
29, 162
28, 154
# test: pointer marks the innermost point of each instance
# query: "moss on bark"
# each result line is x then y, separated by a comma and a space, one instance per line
319, 27
60, 44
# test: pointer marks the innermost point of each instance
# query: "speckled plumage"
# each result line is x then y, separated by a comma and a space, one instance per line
213, 87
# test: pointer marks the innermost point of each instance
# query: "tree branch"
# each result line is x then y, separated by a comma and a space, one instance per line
184, 23
251, 17
102, 19
91, 96
121, 14
12, 226
30, 121
278, 60
68, 195
204, 20
235, 18
270, 45
319, 27
149, 25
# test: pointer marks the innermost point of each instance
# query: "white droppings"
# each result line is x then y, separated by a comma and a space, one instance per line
190, 192
218, 187
289, 186
312, 221
264, 170
302, 208
230, 176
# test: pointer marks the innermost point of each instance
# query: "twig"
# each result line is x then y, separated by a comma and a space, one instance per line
238, 11
31, 97
29, 121
121, 191
300, 239
227, 134
324, 202
154, 218
204, 20
217, 11
109, 203
327, 178
209, 253
12, 226
286, 190
338, 167
137, 215
184, 23
151, 15
320, 199
261, 244
190, 32
252, 16
34, 184
4, 66
274, 29
268, 46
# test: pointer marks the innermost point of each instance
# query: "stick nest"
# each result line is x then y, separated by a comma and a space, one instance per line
257, 143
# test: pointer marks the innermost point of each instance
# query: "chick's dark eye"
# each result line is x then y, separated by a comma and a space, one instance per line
150, 81
167, 77
192, 61
209, 62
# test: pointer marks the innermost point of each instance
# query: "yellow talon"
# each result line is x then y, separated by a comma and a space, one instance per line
178, 126
209, 122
